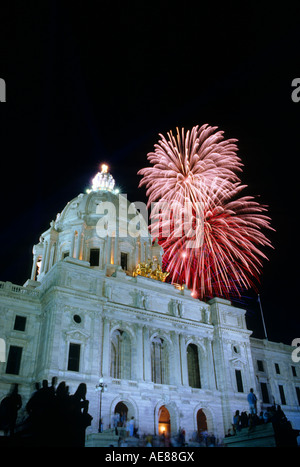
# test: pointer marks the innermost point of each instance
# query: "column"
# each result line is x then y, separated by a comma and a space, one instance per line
138, 250
81, 249
147, 355
108, 249
184, 369
177, 360
44, 257
78, 244
211, 366
105, 347
116, 247
102, 254
142, 251
72, 245
33, 271
47, 257
146, 252
139, 353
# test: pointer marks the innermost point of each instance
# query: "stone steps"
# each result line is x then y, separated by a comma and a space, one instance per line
259, 436
109, 438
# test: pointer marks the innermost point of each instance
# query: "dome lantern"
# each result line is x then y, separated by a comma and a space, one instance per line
103, 181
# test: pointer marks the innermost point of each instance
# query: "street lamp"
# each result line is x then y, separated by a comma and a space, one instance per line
101, 387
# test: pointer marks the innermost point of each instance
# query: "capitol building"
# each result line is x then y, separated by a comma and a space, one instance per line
97, 308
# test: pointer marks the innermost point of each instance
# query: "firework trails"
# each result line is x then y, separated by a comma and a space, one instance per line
211, 234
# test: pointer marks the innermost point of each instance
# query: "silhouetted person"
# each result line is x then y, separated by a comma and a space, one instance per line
60, 414
244, 420
31, 408
40, 409
79, 419
237, 422
53, 385
9, 411
279, 415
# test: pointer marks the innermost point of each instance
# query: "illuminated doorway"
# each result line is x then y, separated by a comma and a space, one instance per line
164, 422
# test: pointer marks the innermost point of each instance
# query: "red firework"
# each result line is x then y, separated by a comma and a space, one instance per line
211, 235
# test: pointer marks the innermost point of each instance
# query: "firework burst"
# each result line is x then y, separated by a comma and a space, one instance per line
189, 165
211, 235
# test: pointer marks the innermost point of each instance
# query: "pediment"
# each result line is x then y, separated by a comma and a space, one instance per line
237, 361
77, 334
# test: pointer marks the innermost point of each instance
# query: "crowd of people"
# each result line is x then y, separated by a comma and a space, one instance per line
274, 414
57, 418
120, 421
54, 416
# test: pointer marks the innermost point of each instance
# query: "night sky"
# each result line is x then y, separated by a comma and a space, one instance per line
96, 82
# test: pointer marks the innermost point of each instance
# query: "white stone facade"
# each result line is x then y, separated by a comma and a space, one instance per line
153, 344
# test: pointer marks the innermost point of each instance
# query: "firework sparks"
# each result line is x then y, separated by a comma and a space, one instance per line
211, 235
189, 165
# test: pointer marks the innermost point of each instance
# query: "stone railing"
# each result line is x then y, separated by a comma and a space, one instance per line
8, 287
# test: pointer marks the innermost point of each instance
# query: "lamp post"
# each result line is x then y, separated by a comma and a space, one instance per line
101, 387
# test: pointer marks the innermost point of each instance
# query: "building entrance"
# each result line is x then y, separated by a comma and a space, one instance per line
201, 422
121, 414
164, 421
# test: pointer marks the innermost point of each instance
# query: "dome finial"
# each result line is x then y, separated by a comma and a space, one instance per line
103, 180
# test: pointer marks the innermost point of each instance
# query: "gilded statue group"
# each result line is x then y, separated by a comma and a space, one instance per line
147, 270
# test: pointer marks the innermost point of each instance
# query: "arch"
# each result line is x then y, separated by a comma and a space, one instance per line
203, 414
121, 409
164, 421
132, 409
199, 344
123, 327
162, 336
173, 416
201, 422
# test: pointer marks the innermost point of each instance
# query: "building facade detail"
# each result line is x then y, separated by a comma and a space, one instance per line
84, 314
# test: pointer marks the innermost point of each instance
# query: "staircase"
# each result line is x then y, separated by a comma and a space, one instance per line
109, 438
259, 436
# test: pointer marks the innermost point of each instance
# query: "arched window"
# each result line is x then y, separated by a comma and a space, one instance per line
159, 361
193, 366
120, 365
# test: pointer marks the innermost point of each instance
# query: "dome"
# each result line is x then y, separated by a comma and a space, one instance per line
101, 227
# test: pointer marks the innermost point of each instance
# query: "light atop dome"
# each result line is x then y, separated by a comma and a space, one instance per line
103, 180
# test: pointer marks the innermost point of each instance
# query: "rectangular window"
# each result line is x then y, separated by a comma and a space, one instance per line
298, 395
74, 357
239, 381
124, 258
260, 365
277, 369
94, 256
264, 393
20, 323
282, 396
294, 370
14, 360
66, 254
